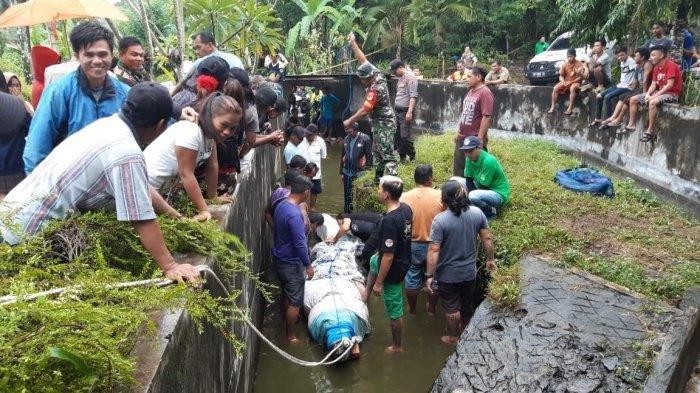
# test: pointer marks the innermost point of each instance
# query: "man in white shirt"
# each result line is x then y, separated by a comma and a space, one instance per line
627, 84
599, 66
314, 151
101, 167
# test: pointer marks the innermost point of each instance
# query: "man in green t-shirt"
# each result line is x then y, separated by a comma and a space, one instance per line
488, 185
541, 46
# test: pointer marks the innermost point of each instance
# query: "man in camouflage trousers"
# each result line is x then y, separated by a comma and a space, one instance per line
378, 106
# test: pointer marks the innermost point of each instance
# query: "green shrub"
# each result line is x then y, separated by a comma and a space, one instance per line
80, 341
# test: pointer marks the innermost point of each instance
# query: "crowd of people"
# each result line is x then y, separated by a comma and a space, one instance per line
648, 77
105, 137
418, 243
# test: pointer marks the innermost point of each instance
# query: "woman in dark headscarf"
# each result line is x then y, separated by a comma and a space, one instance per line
15, 120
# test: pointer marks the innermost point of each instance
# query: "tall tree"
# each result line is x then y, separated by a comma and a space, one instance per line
616, 19
434, 13
389, 20
315, 13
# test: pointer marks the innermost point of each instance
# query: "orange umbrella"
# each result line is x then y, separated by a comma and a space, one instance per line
34, 12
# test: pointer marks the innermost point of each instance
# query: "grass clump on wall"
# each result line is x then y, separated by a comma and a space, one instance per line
633, 239
81, 340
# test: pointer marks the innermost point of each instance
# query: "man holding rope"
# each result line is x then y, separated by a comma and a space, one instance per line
377, 105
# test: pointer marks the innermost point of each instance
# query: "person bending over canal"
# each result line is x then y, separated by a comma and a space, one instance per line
185, 145
291, 253
452, 257
488, 185
389, 267
377, 105
357, 152
101, 166
425, 203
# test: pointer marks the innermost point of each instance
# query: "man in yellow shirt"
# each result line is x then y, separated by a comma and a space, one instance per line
461, 75
426, 203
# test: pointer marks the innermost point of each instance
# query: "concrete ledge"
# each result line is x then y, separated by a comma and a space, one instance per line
671, 163
572, 332
177, 358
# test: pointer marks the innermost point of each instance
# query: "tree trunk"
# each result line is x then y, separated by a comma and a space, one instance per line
399, 30
26, 62
147, 27
181, 39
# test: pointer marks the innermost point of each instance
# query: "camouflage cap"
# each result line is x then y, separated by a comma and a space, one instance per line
366, 70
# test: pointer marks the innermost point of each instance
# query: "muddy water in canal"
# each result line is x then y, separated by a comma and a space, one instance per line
413, 371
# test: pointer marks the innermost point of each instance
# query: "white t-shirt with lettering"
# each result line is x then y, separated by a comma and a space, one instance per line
161, 161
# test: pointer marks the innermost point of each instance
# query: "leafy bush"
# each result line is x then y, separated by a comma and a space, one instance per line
80, 341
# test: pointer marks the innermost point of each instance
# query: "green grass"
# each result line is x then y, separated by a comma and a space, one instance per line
633, 239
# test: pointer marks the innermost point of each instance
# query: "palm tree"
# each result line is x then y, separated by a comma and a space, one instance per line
389, 24
435, 12
244, 26
315, 11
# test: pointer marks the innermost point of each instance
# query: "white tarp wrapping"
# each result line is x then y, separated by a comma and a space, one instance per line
332, 299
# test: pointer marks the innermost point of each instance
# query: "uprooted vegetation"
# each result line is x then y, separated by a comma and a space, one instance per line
633, 239
81, 339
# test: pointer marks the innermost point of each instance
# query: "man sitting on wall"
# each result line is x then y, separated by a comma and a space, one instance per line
571, 74
666, 86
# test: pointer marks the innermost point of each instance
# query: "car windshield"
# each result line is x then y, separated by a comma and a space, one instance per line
560, 44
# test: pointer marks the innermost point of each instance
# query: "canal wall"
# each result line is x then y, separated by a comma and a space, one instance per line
179, 358
670, 166
573, 332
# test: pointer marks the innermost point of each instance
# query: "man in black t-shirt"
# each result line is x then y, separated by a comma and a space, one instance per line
387, 270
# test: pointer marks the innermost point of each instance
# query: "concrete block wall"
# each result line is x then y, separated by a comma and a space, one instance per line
672, 163
180, 359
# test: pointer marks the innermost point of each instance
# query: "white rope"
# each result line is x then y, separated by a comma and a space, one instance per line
162, 282
323, 362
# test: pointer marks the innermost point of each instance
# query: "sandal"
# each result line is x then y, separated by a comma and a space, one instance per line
550, 112
628, 128
568, 113
648, 137
594, 122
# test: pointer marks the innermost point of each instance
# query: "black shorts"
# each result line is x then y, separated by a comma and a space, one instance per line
316, 187
291, 276
456, 296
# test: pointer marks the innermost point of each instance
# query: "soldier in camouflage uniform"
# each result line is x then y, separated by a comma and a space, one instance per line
378, 107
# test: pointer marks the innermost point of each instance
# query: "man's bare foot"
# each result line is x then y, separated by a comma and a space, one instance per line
293, 339
449, 340
355, 352
392, 349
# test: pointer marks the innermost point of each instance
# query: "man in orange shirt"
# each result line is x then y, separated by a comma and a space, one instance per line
426, 203
570, 76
